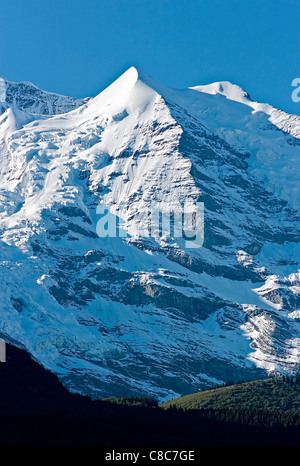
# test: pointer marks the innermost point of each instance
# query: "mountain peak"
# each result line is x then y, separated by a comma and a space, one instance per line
143, 313
132, 91
229, 90
29, 98
233, 92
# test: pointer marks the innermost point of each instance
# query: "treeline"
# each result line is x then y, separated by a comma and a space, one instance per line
134, 401
254, 417
277, 393
292, 380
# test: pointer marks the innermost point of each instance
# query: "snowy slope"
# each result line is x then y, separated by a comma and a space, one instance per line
147, 315
27, 97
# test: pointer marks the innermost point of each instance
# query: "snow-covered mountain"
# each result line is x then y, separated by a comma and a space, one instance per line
28, 98
147, 315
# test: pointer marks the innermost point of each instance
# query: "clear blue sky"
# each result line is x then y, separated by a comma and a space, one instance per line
78, 47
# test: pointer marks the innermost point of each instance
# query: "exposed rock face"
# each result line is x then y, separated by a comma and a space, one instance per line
147, 315
28, 98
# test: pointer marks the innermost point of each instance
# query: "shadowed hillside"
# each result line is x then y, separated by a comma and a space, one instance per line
282, 393
36, 410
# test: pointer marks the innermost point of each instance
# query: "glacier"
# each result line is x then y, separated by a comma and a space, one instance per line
137, 315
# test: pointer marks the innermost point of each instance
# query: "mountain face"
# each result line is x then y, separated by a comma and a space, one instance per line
28, 98
149, 312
